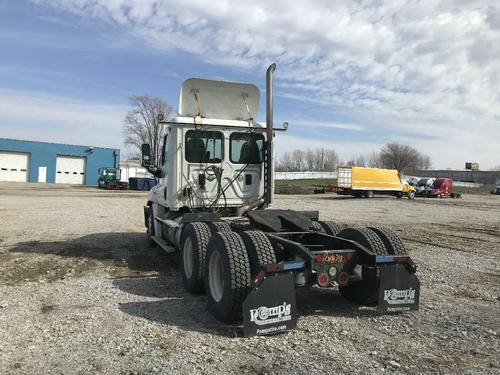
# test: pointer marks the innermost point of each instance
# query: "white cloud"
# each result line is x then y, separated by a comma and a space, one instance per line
41, 117
427, 66
328, 125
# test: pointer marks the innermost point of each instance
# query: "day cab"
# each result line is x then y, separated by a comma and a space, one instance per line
442, 188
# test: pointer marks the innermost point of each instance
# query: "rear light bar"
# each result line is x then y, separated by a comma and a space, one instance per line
333, 256
278, 267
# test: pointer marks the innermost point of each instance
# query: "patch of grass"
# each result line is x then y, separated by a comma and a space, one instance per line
305, 186
476, 190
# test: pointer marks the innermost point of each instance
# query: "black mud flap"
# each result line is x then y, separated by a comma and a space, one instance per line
399, 289
270, 307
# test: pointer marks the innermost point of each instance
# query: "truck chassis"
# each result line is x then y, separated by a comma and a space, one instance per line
251, 265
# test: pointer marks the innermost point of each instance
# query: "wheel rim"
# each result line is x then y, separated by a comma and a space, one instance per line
216, 276
187, 257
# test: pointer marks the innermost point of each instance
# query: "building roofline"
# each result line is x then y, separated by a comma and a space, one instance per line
58, 143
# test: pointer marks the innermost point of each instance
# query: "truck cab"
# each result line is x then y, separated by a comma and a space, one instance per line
442, 188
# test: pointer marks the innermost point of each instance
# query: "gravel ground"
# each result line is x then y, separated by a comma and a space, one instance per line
80, 292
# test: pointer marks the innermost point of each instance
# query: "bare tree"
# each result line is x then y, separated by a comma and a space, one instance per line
285, 163
299, 162
373, 160
310, 160
330, 160
403, 157
141, 125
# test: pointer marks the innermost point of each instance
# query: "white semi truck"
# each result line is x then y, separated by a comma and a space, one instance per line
213, 204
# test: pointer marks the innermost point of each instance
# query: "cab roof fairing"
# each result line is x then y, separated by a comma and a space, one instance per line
221, 100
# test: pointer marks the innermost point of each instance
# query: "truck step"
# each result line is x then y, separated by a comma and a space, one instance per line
169, 223
164, 245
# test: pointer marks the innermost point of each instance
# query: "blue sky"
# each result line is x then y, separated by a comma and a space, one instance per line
352, 75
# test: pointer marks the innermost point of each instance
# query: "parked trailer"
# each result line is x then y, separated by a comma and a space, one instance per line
366, 182
213, 205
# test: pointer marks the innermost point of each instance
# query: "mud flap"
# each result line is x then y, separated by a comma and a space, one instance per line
270, 307
399, 289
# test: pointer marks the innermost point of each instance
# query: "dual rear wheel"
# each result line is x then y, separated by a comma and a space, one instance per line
379, 240
222, 262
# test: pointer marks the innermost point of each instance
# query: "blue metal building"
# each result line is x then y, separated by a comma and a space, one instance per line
32, 161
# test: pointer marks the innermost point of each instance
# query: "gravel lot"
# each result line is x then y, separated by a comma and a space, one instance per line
81, 292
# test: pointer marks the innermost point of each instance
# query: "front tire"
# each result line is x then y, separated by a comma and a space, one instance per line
150, 230
228, 277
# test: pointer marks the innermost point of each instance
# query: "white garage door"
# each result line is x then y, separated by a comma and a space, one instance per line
13, 166
70, 170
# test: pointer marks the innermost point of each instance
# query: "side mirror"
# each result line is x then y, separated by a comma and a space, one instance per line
146, 155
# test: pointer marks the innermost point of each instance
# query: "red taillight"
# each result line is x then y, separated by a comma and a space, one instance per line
348, 257
318, 259
343, 278
323, 279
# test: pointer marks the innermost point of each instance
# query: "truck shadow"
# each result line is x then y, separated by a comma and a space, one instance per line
329, 302
115, 253
176, 307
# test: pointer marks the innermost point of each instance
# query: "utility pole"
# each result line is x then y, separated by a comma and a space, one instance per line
322, 159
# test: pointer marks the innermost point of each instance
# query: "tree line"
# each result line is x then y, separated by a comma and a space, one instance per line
393, 155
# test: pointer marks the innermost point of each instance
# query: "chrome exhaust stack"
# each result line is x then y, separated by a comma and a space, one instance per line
268, 187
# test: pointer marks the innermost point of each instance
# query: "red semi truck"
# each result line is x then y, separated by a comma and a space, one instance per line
442, 188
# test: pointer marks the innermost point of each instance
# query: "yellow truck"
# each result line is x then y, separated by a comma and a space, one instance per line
366, 182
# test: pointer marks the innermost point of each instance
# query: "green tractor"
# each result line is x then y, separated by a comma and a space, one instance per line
109, 178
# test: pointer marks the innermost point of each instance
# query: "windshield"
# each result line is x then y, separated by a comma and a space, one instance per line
246, 148
438, 183
108, 171
203, 146
423, 182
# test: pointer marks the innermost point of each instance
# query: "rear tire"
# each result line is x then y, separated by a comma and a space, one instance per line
330, 227
219, 226
391, 240
364, 292
317, 227
369, 194
365, 237
259, 249
194, 241
228, 278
